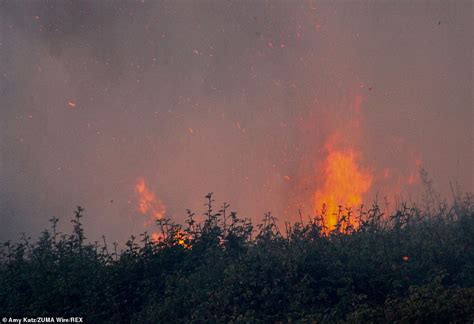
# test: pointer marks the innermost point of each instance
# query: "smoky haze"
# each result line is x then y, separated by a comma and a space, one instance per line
234, 97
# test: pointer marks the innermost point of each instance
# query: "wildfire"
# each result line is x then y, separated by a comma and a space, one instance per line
344, 184
148, 202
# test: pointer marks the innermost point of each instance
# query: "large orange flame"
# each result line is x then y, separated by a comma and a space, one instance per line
344, 184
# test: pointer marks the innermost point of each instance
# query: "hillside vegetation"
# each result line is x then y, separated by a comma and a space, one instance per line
415, 265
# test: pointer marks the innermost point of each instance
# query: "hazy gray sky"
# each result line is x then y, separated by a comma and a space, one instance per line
234, 97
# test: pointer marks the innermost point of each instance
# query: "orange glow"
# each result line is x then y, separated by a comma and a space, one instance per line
148, 202
344, 184
180, 237
71, 104
156, 237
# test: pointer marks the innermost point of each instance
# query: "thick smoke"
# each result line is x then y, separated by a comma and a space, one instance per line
234, 97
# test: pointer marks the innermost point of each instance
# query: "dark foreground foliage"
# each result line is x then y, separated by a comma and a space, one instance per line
414, 266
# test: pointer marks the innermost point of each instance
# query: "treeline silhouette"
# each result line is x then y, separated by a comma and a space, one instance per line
416, 265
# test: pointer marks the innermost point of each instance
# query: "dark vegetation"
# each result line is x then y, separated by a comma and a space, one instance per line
413, 266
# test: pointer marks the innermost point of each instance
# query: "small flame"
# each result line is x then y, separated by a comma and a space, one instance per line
148, 202
180, 237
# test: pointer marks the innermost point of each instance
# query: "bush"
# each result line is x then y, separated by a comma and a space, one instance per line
414, 266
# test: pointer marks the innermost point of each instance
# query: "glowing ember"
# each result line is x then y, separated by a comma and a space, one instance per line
344, 184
